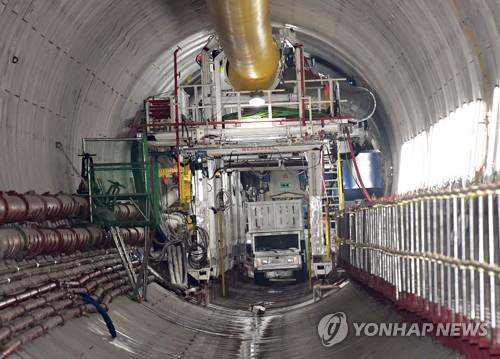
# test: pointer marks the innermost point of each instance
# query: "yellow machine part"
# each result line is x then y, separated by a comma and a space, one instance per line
167, 172
185, 195
186, 175
245, 31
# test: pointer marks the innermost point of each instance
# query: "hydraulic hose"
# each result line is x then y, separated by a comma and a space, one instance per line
107, 319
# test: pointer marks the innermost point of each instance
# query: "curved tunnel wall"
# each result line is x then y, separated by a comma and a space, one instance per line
85, 66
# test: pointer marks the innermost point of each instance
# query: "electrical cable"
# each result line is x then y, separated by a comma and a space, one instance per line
215, 173
107, 319
197, 247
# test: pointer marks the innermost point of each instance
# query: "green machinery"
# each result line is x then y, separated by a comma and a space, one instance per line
119, 182
122, 182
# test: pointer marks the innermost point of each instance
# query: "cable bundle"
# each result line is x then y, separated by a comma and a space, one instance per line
197, 247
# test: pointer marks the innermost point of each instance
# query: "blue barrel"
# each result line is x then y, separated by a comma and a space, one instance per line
370, 168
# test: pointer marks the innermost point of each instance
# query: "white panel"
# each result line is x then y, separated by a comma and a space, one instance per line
275, 216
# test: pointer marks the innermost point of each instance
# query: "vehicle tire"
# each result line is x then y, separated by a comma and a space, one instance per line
259, 278
300, 276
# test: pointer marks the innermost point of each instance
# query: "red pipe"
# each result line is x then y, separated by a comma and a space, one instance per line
355, 163
302, 82
32, 242
176, 96
177, 138
31, 207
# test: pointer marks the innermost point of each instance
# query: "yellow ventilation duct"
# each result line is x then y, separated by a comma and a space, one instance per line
244, 29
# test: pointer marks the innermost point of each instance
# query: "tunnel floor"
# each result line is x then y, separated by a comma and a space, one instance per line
242, 294
169, 327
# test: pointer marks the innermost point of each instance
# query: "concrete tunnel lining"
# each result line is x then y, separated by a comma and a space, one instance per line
86, 66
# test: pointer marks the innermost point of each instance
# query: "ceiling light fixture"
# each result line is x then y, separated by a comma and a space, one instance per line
257, 100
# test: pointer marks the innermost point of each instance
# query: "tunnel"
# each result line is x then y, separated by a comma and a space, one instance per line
108, 115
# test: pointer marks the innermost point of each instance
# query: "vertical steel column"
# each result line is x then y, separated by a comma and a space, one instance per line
421, 249
359, 236
463, 255
177, 138
330, 93
397, 209
435, 298
449, 300
302, 84
426, 248
456, 304
472, 256
218, 87
315, 172
406, 241
379, 254
442, 252
352, 249
221, 245
390, 243
413, 273
491, 261
481, 257
416, 238
366, 234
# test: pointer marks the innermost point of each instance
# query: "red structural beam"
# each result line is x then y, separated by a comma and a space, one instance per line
177, 137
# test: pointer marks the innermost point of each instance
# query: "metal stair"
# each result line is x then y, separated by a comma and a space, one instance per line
123, 252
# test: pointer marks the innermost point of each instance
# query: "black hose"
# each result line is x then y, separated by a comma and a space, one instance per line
107, 319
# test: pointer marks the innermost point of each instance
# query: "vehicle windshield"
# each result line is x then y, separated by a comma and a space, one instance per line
277, 242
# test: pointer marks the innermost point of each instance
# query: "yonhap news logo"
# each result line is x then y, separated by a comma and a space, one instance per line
333, 329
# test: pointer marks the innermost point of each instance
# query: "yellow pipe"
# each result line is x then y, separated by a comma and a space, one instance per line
245, 32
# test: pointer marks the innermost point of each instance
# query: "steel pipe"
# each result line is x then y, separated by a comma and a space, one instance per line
32, 207
124, 211
31, 242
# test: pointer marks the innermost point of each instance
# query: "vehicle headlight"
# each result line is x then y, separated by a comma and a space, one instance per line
290, 260
265, 261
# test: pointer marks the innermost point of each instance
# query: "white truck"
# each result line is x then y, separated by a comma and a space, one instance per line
275, 239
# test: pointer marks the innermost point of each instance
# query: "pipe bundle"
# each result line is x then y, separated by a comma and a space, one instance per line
37, 309
32, 207
31, 242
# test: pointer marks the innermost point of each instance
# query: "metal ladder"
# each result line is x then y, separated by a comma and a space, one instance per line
331, 197
123, 252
